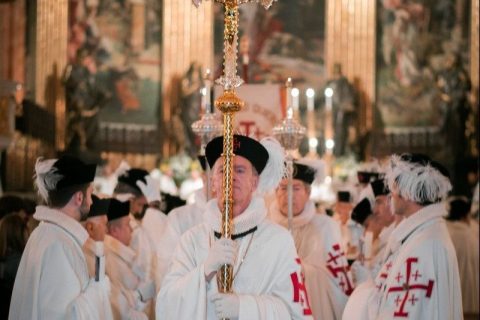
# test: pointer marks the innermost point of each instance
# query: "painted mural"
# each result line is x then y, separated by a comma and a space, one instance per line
422, 58
284, 41
114, 51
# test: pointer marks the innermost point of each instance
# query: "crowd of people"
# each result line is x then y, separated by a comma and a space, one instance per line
398, 245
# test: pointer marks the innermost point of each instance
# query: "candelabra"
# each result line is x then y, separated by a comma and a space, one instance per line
289, 133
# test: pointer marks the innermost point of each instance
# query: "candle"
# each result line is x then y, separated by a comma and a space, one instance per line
310, 96
288, 85
295, 98
208, 92
328, 98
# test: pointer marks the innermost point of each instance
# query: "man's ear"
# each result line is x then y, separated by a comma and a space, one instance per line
78, 197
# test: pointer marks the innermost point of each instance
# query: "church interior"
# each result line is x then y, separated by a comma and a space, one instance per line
137, 84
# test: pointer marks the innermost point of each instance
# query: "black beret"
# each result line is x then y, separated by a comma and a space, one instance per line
379, 188
361, 211
303, 172
130, 177
366, 176
344, 196
243, 146
117, 209
99, 206
73, 171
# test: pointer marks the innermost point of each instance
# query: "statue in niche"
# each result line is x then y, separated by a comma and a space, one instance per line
84, 99
190, 105
344, 108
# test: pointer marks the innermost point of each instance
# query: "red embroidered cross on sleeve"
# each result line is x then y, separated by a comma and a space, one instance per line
300, 291
411, 288
338, 267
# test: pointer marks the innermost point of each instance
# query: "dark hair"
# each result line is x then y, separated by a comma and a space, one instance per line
13, 235
10, 204
122, 187
458, 208
59, 198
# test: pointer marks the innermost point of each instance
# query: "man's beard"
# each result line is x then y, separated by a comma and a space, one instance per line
84, 210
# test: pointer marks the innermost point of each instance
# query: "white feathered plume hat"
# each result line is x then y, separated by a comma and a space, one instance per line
57, 174
266, 156
418, 178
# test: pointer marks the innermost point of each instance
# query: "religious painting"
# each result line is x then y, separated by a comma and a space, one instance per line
287, 40
422, 58
114, 53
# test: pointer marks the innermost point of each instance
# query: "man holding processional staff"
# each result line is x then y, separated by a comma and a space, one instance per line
260, 273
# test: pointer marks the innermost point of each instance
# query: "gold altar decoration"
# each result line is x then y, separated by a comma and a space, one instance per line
229, 103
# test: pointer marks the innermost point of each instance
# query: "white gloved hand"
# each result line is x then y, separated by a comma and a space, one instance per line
360, 272
146, 290
223, 251
136, 315
227, 305
151, 190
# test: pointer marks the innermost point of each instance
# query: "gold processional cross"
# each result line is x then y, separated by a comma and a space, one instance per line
229, 103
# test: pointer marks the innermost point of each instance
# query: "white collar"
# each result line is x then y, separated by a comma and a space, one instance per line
67, 223
300, 220
121, 250
409, 225
248, 219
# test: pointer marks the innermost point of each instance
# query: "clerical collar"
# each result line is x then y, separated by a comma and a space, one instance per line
218, 235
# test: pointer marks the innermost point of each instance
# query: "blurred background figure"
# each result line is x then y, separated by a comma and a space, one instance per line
464, 233
13, 238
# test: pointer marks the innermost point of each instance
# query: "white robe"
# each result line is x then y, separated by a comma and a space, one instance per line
466, 242
419, 278
124, 276
179, 220
268, 282
154, 223
52, 280
143, 246
318, 241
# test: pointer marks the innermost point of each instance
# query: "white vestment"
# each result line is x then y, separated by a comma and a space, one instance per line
52, 279
318, 241
465, 240
124, 276
179, 220
143, 246
268, 282
419, 277
154, 223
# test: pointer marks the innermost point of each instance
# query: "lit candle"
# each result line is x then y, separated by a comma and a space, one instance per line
295, 98
204, 106
208, 92
288, 84
328, 98
310, 102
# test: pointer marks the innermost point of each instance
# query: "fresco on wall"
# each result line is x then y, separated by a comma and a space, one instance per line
114, 52
422, 55
284, 41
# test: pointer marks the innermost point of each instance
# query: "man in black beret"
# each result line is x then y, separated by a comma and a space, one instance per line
96, 226
189, 288
317, 239
419, 258
130, 295
52, 280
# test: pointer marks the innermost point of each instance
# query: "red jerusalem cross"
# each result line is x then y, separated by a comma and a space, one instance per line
337, 269
300, 291
408, 287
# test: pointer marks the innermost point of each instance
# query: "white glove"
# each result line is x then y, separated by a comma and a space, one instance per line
151, 190
227, 305
360, 272
223, 251
146, 290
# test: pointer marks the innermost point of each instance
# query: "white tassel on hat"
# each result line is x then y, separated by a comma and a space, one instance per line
274, 170
417, 182
46, 177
